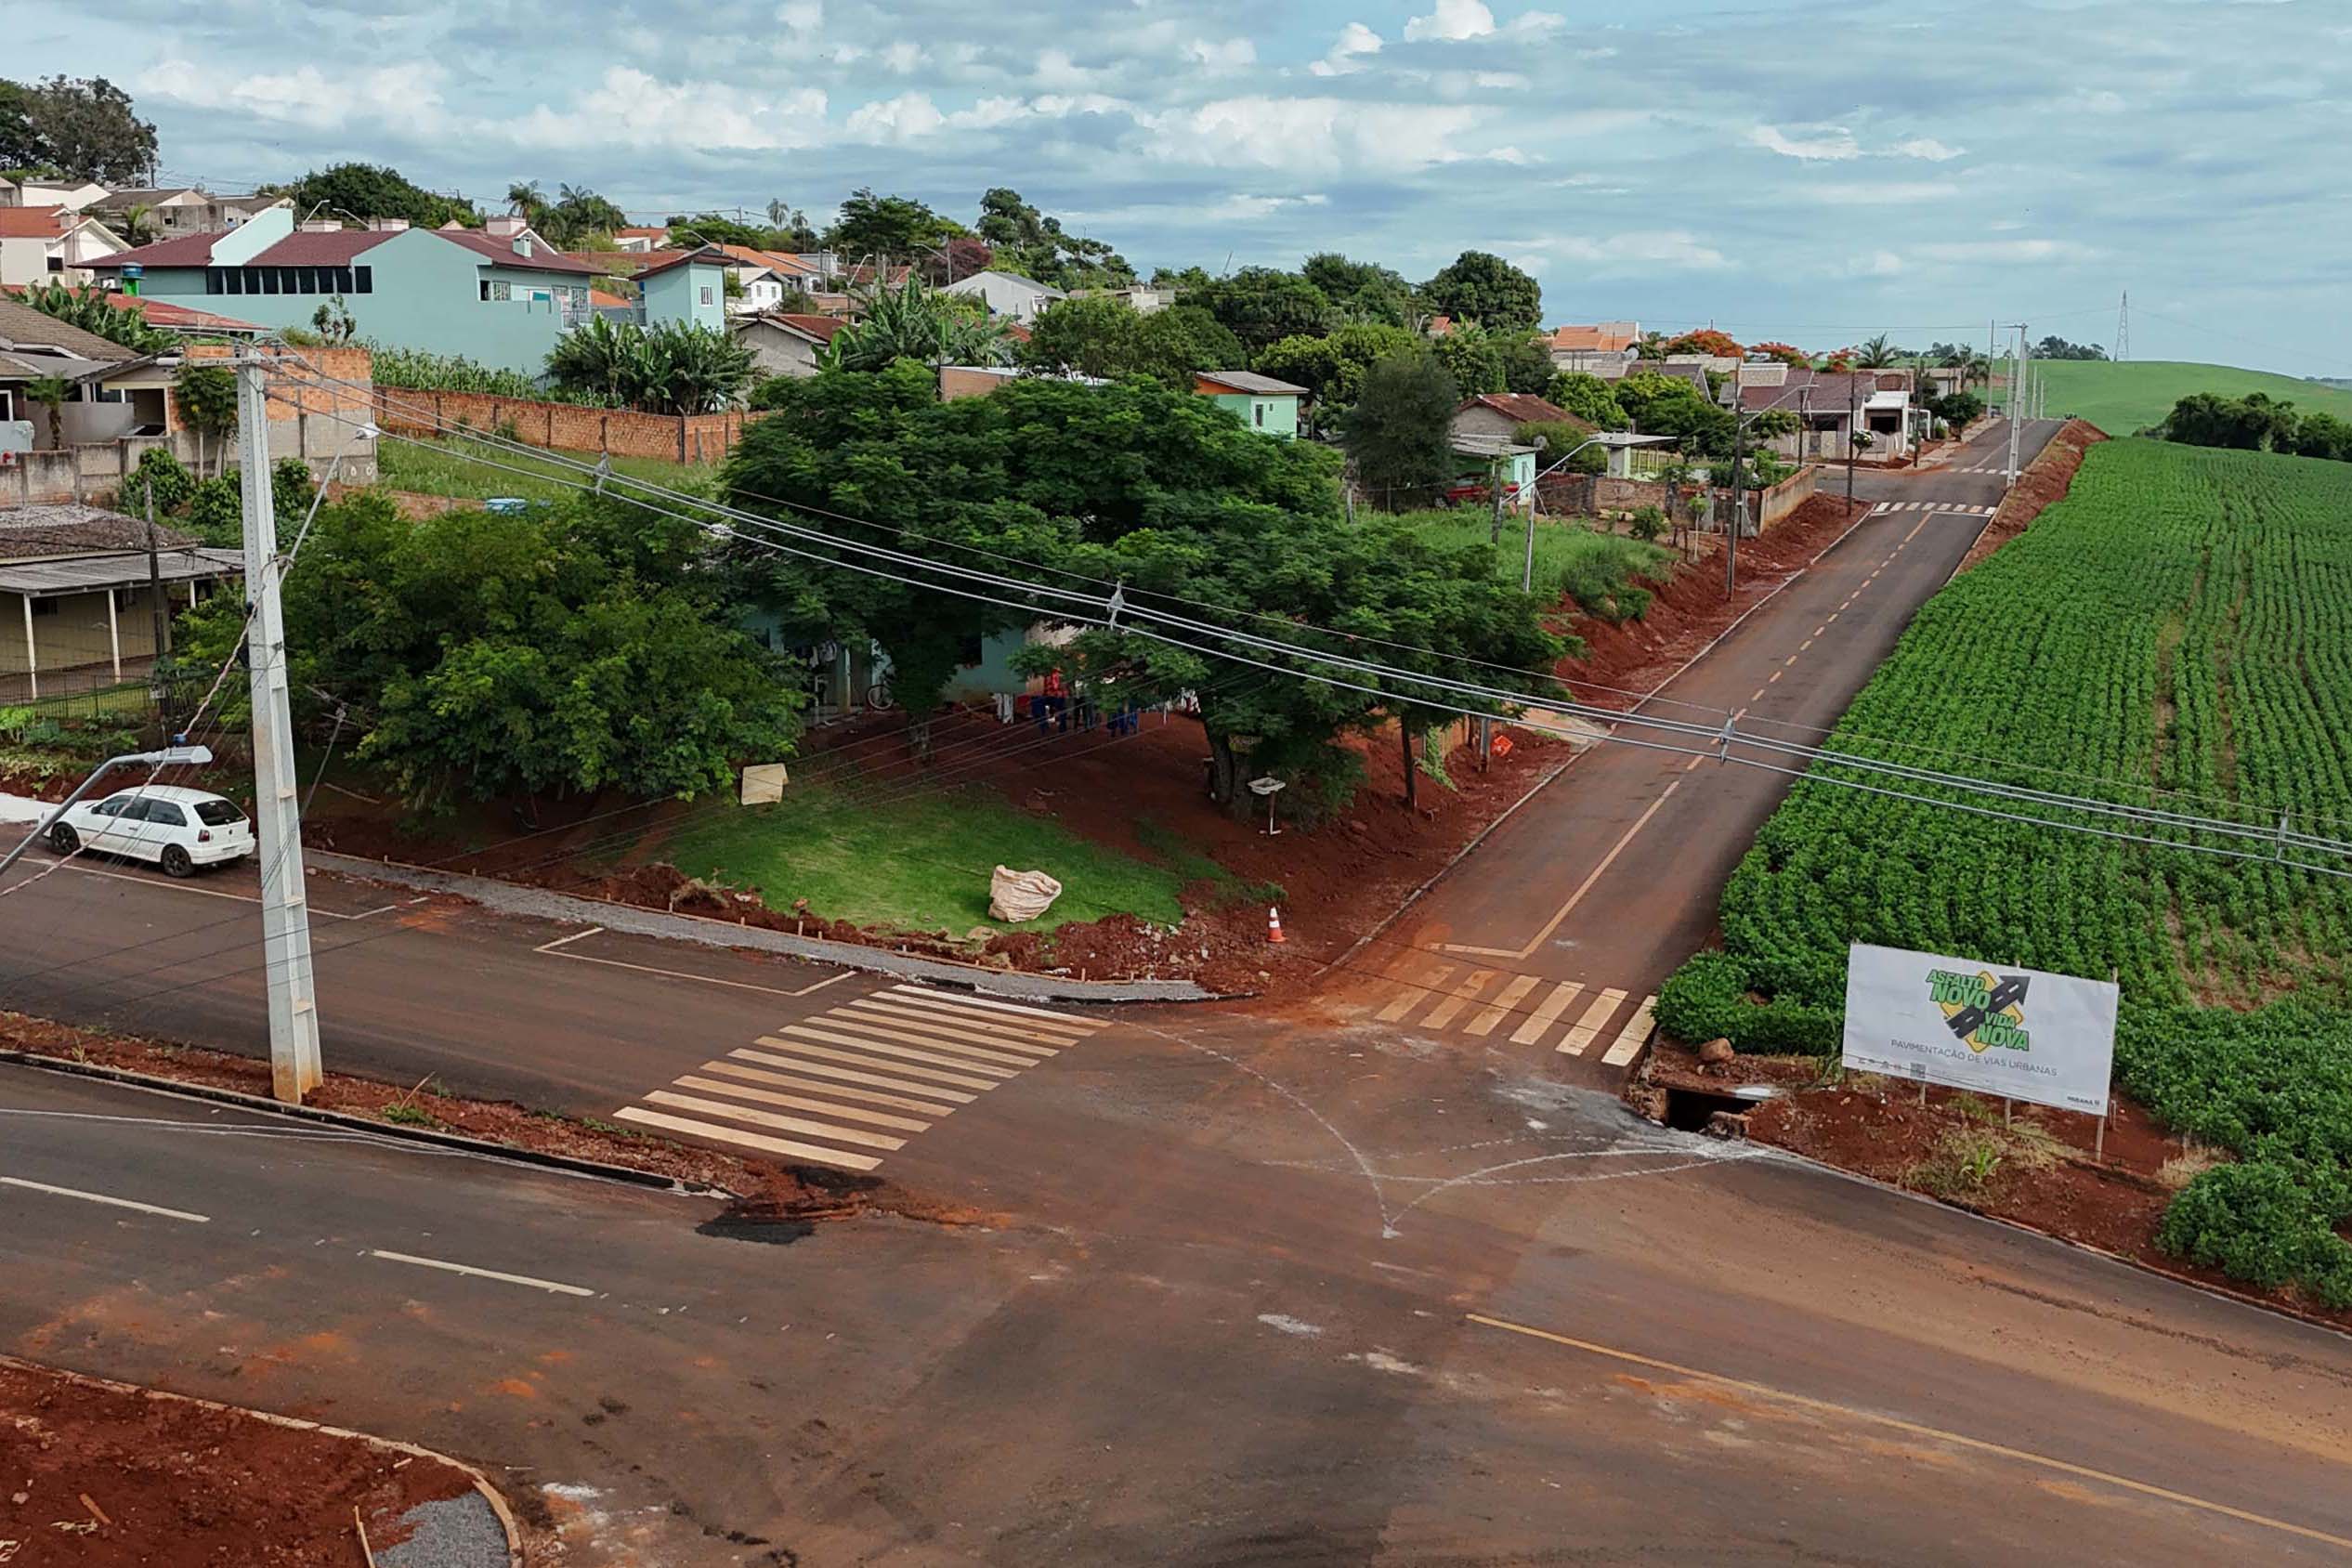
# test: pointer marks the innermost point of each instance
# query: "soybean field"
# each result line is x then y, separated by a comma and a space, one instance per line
2176, 633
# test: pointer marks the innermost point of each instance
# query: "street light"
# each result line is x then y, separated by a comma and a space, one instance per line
1616, 440
170, 756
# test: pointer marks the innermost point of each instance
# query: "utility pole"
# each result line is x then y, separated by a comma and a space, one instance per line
1738, 498
286, 912
159, 681
2020, 361
1854, 448
2123, 329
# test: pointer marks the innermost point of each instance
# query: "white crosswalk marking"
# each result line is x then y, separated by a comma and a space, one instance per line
1417, 991
1631, 1039
1546, 1014
861, 1079
1588, 1028
1500, 1008
1447, 1006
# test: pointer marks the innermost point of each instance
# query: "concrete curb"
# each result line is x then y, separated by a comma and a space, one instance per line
512, 898
343, 1120
481, 1482
1545, 782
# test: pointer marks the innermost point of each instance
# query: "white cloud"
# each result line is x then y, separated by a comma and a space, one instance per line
1232, 55
1641, 250
1055, 68
2098, 101
1927, 148
2014, 250
1355, 41
1453, 21
630, 108
902, 119
1874, 263
305, 96
902, 58
801, 17
1315, 134
1813, 143
1877, 193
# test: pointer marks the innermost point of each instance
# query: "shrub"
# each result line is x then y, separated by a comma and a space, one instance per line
1648, 523
216, 512
159, 477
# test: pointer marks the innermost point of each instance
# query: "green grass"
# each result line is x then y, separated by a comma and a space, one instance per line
916, 865
1600, 571
1194, 866
452, 468
2125, 399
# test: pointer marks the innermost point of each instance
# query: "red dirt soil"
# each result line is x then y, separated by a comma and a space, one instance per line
1877, 1127
179, 1484
1338, 879
772, 1191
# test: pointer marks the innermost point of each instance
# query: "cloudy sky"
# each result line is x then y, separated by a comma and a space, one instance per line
1815, 171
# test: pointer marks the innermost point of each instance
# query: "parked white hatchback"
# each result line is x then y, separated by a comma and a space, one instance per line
179, 830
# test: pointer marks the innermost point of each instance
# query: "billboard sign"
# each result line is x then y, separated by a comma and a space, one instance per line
1992, 1029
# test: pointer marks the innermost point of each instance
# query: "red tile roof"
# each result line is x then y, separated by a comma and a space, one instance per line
164, 313
708, 255
543, 257
602, 301
1525, 408
1608, 338
30, 223
659, 232
821, 328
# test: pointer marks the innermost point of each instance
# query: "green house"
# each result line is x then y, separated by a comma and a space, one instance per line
689, 287
1260, 401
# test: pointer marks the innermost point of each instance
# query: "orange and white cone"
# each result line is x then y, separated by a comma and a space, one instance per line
1273, 927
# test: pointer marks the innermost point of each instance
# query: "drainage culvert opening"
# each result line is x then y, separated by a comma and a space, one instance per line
1688, 1110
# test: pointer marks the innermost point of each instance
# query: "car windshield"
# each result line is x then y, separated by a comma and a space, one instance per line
218, 813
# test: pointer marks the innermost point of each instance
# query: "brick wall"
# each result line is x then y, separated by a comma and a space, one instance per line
704, 437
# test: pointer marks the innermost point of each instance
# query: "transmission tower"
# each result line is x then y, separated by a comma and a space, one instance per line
2123, 328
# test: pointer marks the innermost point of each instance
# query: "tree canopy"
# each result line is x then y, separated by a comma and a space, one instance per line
1399, 432
1589, 397
575, 217
1478, 286
368, 190
1029, 242
1332, 368
895, 227
1667, 405
1360, 291
1100, 335
913, 321
84, 129
557, 651
1263, 305
670, 367
1133, 483
711, 229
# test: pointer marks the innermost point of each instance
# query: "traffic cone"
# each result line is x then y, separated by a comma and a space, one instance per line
1273, 927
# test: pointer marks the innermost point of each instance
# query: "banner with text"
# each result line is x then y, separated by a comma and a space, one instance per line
1988, 1027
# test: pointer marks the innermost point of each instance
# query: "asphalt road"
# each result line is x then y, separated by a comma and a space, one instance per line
1282, 1304
1555, 935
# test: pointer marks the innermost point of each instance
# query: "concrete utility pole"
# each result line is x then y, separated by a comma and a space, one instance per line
2018, 362
1853, 413
159, 683
1739, 495
285, 909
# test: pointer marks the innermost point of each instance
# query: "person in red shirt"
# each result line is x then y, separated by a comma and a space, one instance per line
1053, 702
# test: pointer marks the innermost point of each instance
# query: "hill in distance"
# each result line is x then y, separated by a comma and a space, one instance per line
2122, 398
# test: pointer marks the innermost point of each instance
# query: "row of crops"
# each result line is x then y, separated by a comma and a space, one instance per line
2177, 633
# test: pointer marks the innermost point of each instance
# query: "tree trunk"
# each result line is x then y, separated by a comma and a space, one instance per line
1224, 770
1412, 774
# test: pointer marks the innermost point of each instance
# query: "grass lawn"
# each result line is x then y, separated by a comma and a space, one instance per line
2121, 400
920, 864
1572, 559
449, 466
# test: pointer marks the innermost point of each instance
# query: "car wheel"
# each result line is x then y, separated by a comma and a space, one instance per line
64, 840
177, 863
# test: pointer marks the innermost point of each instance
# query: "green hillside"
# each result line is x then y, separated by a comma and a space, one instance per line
2127, 397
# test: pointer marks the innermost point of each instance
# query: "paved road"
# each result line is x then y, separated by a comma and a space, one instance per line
1554, 936
1286, 1303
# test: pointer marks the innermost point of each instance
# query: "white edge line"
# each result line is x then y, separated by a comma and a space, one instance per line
101, 1197
555, 1285
562, 941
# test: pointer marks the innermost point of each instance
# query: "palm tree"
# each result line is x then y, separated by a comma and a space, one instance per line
913, 322
139, 222
50, 390
524, 198
1879, 352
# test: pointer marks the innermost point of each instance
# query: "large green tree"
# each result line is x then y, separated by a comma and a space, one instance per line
1589, 397
1360, 291
1100, 335
549, 653
1134, 483
84, 127
913, 321
1261, 305
1399, 432
897, 229
672, 367
1333, 367
1479, 286
1473, 356
1035, 245
375, 190
1667, 405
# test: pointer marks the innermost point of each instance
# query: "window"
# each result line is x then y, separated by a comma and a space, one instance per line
111, 806
484, 286
212, 279
46, 607
1258, 414
218, 814
163, 814
269, 278
363, 280
306, 280
286, 280
342, 279
252, 279
706, 296
106, 394
57, 263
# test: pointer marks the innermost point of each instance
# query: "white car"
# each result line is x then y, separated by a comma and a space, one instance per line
179, 830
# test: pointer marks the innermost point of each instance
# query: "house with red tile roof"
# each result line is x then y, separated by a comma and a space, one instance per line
641, 240
42, 243
500, 296
170, 317
1501, 414
784, 344
1604, 345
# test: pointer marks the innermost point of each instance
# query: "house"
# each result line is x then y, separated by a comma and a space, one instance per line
1258, 401
613, 307
1690, 370
1593, 348
71, 194
37, 244
500, 296
1006, 293
1879, 403
1486, 460
1143, 299
786, 345
110, 392
171, 212
764, 277
1502, 414
638, 241
77, 607
689, 286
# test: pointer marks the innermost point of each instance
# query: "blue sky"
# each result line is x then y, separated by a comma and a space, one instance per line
1813, 172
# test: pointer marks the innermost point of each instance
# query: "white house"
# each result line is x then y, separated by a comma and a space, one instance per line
40, 243
171, 211
71, 194
1008, 294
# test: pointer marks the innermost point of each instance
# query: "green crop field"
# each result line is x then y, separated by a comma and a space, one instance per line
2121, 400
2176, 632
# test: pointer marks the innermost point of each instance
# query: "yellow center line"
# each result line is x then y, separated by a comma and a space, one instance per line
1914, 1429
1776, 675
1755, 696
1789, 661
1806, 644
1577, 898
